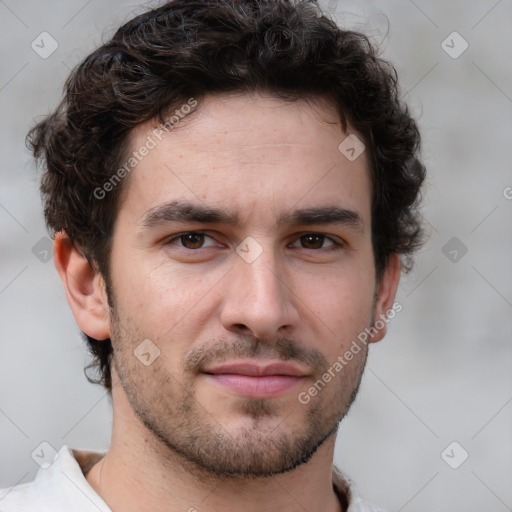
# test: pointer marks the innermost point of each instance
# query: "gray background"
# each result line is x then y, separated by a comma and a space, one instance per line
444, 372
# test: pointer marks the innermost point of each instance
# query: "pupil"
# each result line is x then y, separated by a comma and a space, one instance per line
315, 241
192, 240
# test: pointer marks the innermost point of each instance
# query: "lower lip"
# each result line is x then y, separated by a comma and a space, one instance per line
267, 386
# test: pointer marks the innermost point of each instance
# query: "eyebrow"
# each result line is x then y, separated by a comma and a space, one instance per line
185, 211
324, 215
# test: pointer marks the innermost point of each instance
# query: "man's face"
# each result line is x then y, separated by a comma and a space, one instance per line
243, 325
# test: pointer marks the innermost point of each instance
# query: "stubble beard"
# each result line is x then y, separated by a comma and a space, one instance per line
184, 432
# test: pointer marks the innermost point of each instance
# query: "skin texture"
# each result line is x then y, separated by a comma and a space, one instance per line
180, 438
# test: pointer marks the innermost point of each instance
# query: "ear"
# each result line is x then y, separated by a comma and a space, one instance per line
386, 291
85, 288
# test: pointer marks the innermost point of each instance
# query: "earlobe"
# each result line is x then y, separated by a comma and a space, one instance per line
386, 291
85, 288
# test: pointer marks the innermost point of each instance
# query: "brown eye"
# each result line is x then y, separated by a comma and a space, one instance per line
312, 241
192, 245
192, 240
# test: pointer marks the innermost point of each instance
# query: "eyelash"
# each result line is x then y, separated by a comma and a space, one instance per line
336, 243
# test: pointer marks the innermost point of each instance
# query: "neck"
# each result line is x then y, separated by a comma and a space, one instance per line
139, 473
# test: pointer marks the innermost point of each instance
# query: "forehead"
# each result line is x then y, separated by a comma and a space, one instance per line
254, 154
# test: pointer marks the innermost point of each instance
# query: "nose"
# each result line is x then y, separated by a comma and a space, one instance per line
259, 299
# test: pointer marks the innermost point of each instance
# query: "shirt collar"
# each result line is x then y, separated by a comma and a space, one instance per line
343, 486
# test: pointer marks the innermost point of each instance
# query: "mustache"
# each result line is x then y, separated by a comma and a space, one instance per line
281, 348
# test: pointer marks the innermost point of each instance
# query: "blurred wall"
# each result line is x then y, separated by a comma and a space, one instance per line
432, 426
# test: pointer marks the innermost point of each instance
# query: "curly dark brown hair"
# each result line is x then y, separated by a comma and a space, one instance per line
190, 48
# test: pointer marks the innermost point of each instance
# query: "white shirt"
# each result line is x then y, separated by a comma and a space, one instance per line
62, 487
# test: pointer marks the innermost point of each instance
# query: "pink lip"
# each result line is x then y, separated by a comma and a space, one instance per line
256, 380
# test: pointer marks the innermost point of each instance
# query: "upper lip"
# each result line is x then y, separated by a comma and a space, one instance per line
257, 369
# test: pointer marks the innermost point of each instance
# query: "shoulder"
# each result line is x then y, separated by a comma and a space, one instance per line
349, 496
60, 487
362, 505
18, 498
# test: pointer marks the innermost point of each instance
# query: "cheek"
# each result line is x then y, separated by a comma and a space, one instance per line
340, 306
165, 302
